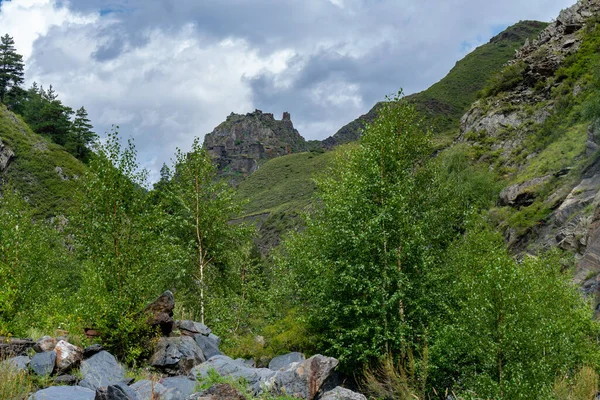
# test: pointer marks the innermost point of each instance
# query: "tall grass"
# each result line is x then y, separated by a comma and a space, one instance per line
14, 384
582, 386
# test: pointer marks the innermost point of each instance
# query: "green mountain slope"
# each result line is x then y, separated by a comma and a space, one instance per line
446, 101
279, 191
42, 171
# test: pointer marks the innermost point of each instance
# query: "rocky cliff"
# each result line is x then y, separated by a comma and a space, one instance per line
536, 126
239, 144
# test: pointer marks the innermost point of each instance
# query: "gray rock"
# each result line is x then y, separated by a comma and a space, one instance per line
225, 366
340, 393
160, 312
522, 194
91, 350
67, 356
43, 363
45, 343
304, 380
250, 363
192, 328
64, 393
208, 346
148, 390
6, 156
177, 355
184, 385
284, 361
116, 392
65, 380
19, 362
102, 369
214, 338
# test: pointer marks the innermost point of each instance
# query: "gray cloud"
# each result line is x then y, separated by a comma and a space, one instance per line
168, 70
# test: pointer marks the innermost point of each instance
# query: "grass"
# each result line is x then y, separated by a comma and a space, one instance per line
14, 384
280, 191
582, 386
33, 170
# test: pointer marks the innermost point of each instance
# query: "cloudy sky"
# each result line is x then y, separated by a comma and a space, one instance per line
168, 70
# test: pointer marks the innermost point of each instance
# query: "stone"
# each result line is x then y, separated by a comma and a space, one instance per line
214, 338
177, 355
192, 328
184, 385
65, 380
19, 362
222, 391
91, 350
522, 194
225, 366
12, 347
116, 392
64, 393
6, 156
160, 312
67, 356
148, 390
42, 364
306, 379
102, 369
208, 346
340, 393
45, 343
285, 360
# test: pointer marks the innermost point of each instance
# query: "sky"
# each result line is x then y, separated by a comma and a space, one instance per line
166, 71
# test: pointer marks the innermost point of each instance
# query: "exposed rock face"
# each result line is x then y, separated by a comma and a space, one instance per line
10, 347
177, 355
6, 156
242, 141
160, 312
67, 356
521, 194
43, 363
63, 393
100, 370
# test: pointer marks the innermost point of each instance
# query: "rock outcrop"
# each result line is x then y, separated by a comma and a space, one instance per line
242, 142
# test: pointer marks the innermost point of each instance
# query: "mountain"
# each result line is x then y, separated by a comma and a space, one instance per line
43, 172
282, 188
242, 142
446, 101
538, 127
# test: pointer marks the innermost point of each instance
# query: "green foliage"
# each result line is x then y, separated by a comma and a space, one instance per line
363, 264
507, 79
32, 259
11, 67
124, 253
508, 327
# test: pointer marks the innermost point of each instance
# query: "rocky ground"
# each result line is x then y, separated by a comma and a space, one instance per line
184, 356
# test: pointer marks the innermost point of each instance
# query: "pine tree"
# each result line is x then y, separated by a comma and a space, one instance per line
83, 135
11, 66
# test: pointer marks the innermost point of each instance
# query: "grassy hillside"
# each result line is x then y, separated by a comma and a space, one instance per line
444, 103
42, 171
279, 191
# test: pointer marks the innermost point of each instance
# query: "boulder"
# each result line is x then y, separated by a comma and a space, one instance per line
340, 393
209, 347
67, 356
148, 390
116, 392
182, 384
45, 343
192, 328
91, 350
12, 347
42, 364
19, 363
305, 380
221, 391
225, 366
101, 370
522, 194
160, 312
177, 355
69, 380
63, 393
285, 360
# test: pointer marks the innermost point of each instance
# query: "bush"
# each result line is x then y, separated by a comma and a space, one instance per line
507, 79
14, 384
